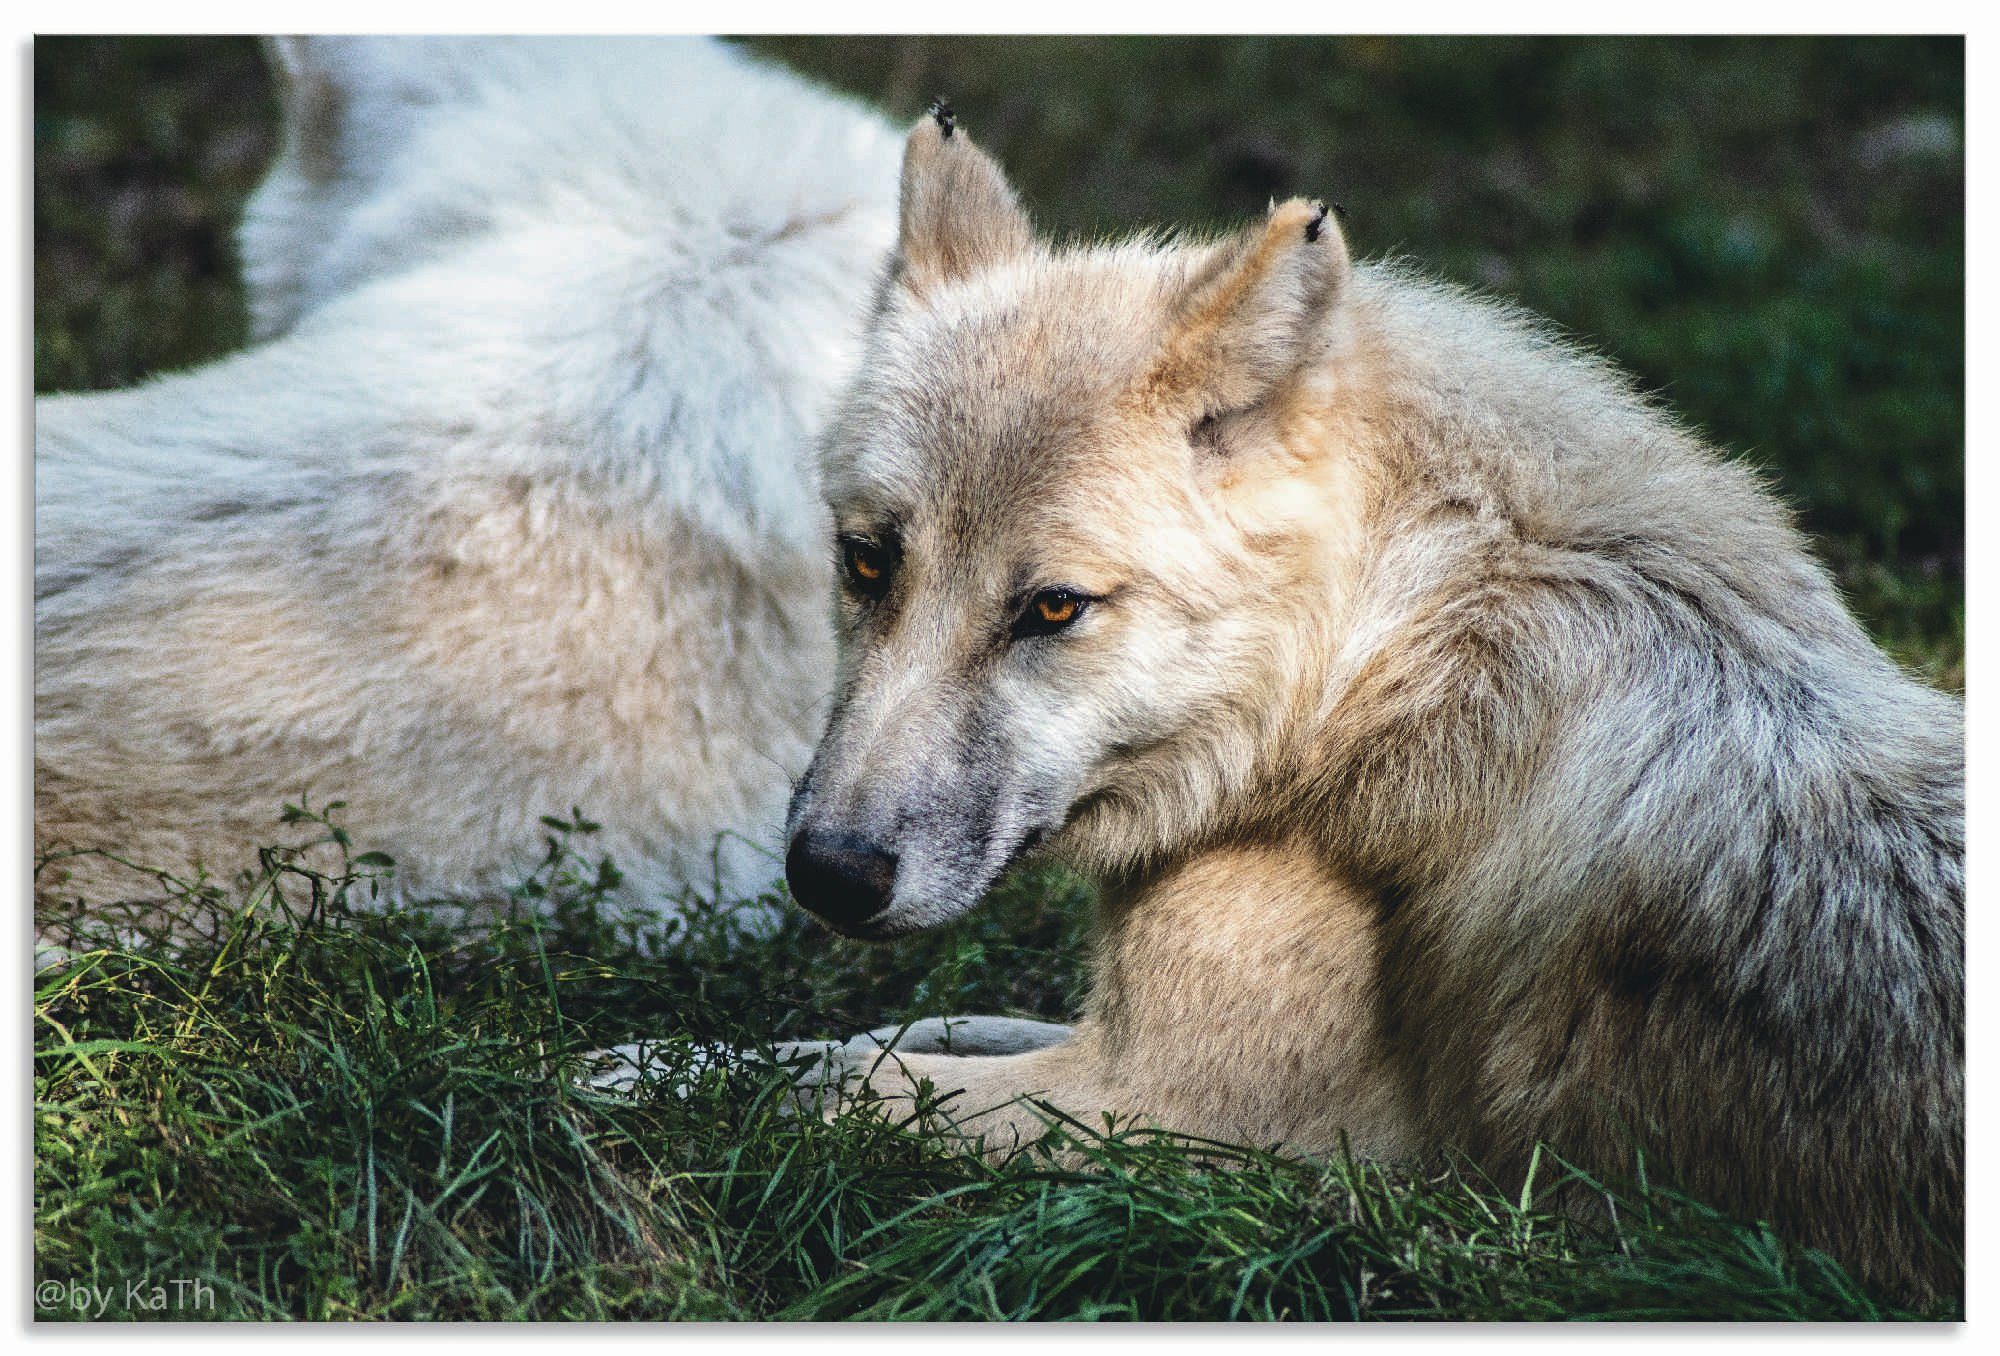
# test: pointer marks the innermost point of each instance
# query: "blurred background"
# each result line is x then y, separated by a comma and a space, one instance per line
1769, 232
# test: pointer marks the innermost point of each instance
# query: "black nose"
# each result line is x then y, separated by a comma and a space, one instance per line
841, 878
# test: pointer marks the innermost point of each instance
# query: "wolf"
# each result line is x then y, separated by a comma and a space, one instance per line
1468, 757
511, 507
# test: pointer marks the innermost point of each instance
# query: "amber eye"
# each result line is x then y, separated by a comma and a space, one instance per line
1055, 609
1049, 611
868, 564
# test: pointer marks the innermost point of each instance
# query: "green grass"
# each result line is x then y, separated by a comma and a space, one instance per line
319, 1110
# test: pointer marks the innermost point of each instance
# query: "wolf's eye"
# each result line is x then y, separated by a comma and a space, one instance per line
1055, 609
867, 564
1049, 611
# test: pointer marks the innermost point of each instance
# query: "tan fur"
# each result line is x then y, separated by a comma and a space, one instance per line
955, 208
1174, 1037
1470, 757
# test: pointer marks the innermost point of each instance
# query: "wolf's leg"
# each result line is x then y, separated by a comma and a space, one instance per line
955, 1036
996, 1103
1234, 1000
625, 1066
822, 1064
962, 1036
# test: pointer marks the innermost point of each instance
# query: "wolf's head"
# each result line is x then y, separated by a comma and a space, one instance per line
1082, 530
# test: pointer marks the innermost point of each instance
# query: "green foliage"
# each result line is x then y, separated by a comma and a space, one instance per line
144, 151
321, 1110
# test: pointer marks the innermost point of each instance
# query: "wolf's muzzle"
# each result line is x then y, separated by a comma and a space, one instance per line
838, 877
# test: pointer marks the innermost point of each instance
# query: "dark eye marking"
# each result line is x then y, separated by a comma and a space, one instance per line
867, 565
1050, 611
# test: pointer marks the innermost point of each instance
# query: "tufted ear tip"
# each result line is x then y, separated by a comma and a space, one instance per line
1256, 312
1313, 219
941, 113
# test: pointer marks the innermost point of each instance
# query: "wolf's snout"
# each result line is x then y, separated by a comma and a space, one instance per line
843, 879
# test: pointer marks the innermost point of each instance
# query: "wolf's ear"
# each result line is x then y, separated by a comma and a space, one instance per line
959, 214
310, 91
289, 56
1254, 312
353, 96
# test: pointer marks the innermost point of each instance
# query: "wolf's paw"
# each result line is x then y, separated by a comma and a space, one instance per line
960, 1036
626, 1068
821, 1071
827, 1073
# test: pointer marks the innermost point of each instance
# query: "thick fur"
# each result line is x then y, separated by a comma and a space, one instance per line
513, 509
1470, 756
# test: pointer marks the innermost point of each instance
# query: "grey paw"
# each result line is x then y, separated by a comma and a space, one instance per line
962, 1036
820, 1067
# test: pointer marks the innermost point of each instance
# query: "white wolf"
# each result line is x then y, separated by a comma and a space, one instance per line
511, 509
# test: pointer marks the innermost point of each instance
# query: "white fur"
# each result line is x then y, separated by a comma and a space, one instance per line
817, 1064
514, 509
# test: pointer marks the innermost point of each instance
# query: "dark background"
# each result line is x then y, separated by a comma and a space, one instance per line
1769, 232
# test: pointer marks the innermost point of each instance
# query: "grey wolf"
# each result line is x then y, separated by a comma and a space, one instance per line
512, 505
1469, 756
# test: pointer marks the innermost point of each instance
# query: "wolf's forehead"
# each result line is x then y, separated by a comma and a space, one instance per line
1000, 388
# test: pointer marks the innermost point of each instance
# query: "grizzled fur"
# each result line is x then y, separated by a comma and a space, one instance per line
1470, 756
513, 507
